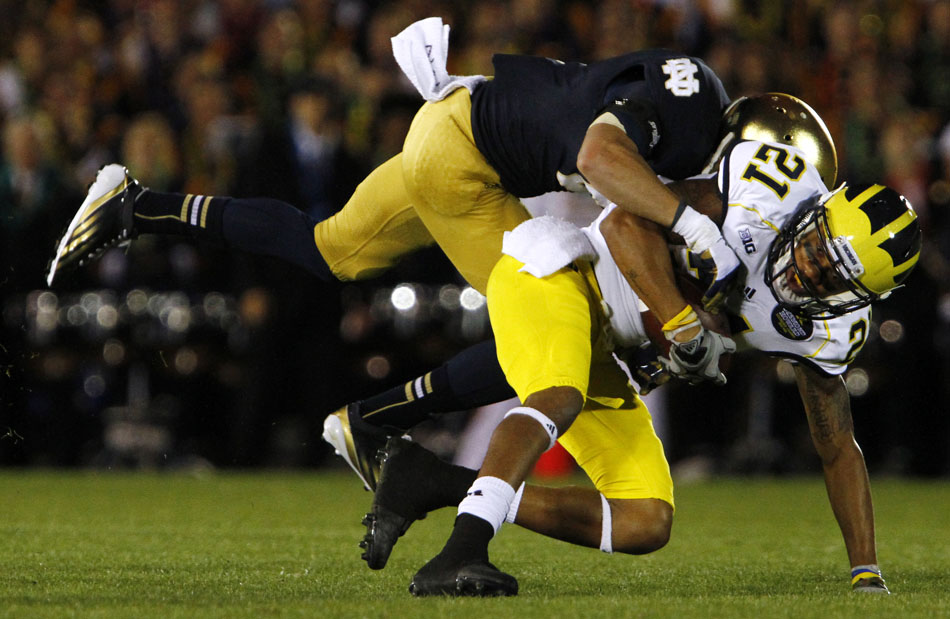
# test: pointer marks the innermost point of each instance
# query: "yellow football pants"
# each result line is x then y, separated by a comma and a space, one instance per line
550, 333
439, 189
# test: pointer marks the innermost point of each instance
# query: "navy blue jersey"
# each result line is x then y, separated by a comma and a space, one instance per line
530, 120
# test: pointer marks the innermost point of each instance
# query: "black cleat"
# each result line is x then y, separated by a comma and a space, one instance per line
383, 528
475, 579
398, 501
357, 447
104, 220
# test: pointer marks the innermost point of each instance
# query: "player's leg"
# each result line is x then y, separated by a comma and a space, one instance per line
580, 516
613, 440
630, 511
414, 481
374, 229
462, 566
546, 357
458, 197
455, 192
470, 379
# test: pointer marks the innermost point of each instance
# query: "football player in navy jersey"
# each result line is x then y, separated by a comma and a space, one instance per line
823, 256
540, 125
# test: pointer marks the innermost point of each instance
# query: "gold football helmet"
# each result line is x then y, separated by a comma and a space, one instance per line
777, 117
844, 250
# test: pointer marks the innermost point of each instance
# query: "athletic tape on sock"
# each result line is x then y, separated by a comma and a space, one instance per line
515, 504
489, 498
549, 426
606, 527
860, 572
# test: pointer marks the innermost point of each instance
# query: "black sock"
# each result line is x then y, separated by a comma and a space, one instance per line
256, 225
469, 540
470, 379
178, 214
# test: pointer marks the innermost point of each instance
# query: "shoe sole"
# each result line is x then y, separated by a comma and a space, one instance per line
383, 530
86, 210
469, 584
337, 433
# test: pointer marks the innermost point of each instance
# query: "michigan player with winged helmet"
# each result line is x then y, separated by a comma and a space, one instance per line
814, 262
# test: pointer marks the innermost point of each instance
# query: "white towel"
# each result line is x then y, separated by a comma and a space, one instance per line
421, 51
546, 244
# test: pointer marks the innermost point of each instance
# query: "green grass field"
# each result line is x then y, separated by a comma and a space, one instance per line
259, 545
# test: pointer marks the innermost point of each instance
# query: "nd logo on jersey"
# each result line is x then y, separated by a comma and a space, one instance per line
682, 82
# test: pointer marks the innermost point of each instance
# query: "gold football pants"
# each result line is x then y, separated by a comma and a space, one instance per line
439, 189
550, 332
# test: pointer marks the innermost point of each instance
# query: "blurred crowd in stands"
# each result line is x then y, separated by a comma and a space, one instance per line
174, 355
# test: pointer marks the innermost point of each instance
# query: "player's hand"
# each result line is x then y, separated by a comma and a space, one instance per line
645, 367
715, 262
697, 360
720, 269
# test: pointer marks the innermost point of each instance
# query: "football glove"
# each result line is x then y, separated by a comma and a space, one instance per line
719, 266
868, 579
697, 360
645, 368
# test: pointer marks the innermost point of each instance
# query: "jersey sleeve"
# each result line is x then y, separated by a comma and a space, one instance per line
640, 122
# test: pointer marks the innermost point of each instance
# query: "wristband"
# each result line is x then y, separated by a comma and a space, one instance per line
680, 208
686, 319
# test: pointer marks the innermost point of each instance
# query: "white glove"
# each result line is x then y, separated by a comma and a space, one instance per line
697, 360
705, 242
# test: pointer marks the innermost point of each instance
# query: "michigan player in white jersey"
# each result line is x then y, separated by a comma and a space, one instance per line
767, 185
815, 260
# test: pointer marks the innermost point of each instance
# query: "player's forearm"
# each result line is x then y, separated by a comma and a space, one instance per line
828, 407
850, 494
610, 162
640, 250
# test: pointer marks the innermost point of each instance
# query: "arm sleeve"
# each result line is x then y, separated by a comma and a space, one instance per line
639, 120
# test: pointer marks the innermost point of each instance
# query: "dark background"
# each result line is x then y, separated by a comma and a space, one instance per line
171, 355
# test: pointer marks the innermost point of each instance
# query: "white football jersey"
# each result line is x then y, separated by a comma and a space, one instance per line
762, 185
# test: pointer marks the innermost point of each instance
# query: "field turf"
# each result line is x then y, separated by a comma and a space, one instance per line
274, 545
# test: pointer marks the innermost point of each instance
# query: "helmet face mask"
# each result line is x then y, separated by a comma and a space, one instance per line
794, 285
842, 251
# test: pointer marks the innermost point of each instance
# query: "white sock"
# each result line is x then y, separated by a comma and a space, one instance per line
606, 527
489, 498
515, 504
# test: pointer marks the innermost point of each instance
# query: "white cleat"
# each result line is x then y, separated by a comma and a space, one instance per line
358, 449
103, 220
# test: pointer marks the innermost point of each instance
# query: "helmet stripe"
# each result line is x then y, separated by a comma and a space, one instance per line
904, 245
883, 208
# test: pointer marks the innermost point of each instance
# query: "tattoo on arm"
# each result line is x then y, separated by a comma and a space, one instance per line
631, 275
826, 403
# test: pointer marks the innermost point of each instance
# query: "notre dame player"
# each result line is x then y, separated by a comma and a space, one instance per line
473, 378
814, 260
540, 125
